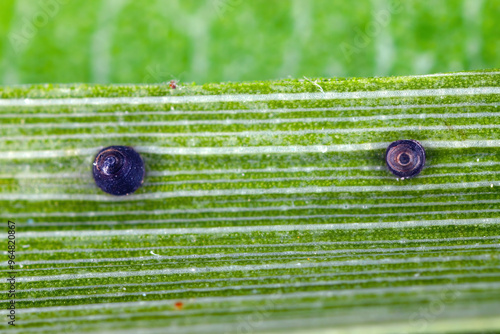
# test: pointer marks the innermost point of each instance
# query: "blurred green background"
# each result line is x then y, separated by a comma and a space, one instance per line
125, 41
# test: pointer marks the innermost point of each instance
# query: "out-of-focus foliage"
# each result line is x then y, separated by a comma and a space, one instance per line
123, 41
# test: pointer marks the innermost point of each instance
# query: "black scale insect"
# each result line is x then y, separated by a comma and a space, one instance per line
405, 158
118, 170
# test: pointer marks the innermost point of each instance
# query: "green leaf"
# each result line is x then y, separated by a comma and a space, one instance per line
266, 207
124, 41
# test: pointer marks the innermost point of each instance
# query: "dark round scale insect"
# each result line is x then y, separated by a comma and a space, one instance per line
405, 158
118, 170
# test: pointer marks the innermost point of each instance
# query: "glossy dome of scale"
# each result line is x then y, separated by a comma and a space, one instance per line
405, 158
118, 170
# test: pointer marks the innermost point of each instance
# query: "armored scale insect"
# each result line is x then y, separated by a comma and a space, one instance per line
118, 170
405, 158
